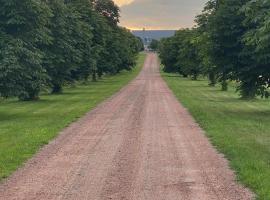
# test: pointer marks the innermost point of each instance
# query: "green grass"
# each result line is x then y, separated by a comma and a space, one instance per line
27, 126
239, 129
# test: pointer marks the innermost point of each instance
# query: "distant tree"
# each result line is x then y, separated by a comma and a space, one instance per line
180, 53
188, 58
140, 44
168, 52
154, 45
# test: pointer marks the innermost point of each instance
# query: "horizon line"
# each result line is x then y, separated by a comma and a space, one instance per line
154, 29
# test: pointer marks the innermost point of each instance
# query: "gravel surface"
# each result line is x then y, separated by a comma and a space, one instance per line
141, 144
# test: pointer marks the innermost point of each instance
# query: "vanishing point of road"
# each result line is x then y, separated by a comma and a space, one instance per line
141, 144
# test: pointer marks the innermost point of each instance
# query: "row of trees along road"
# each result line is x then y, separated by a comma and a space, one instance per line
231, 41
49, 43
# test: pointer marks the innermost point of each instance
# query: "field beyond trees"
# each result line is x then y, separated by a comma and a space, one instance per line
238, 128
26, 126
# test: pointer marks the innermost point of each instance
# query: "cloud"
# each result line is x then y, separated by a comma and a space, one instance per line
160, 14
123, 2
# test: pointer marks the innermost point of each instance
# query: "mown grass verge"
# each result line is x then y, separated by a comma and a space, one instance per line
239, 129
26, 126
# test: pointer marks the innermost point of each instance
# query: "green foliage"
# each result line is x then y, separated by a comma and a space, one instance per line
27, 126
62, 56
188, 54
22, 31
230, 42
140, 44
55, 42
256, 73
82, 12
168, 52
108, 9
180, 53
154, 45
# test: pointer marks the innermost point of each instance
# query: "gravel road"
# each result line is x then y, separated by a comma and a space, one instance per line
141, 144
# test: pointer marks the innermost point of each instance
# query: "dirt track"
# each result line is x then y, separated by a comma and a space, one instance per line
139, 145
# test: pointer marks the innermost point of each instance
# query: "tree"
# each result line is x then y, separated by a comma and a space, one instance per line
230, 42
225, 31
168, 52
180, 53
23, 29
254, 74
61, 54
52, 42
154, 45
120, 46
205, 45
108, 9
188, 58
82, 13
140, 44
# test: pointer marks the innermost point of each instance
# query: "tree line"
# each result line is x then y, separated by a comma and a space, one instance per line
50, 43
230, 42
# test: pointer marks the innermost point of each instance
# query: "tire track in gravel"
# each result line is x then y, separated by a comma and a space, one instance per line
141, 144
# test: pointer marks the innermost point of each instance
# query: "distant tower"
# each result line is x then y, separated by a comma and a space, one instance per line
144, 36
145, 39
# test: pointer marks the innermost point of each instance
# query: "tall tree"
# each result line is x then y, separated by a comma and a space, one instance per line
23, 28
53, 42
83, 35
188, 54
225, 33
168, 52
255, 72
61, 54
205, 45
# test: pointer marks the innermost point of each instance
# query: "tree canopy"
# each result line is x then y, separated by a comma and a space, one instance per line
229, 42
50, 43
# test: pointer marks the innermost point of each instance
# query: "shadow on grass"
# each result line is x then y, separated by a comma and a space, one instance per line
169, 75
7, 116
263, 115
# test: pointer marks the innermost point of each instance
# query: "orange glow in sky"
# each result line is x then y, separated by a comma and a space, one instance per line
122, 2
159, 14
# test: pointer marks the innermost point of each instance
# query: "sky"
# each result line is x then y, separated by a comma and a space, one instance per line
159, 14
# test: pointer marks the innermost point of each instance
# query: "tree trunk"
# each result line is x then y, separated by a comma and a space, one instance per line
100, 74
29, 96
212, 79
185, 75
57, 89
224, 84
195, 77
248, 89
94, 76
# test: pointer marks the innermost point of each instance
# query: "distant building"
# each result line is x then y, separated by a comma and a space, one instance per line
148, 35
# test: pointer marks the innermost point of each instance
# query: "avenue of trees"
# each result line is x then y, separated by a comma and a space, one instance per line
50, 43
231, 42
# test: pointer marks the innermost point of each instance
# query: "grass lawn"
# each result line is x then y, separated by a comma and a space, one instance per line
239, 129
27, 126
